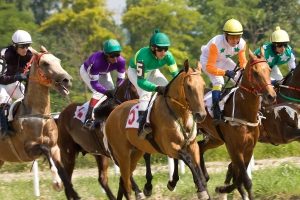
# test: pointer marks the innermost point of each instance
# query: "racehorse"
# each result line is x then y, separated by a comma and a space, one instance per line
173, 118
73, 138
240, 132
35, 130
281, 122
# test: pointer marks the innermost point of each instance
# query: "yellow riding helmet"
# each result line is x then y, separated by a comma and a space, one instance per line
233, 27
279, 35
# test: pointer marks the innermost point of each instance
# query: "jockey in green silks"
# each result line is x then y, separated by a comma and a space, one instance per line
278, 52
144, 74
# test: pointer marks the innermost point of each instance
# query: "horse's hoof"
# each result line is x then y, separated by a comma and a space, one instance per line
170, 187
203, 195
220, 189
140, 196
147, 192
58, 186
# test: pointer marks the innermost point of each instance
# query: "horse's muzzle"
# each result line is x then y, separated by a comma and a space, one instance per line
199, 116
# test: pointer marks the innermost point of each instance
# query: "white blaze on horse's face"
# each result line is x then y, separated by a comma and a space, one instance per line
51, 66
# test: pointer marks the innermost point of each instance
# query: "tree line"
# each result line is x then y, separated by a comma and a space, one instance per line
73, 29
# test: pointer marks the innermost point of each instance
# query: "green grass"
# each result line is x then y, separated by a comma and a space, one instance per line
282, 182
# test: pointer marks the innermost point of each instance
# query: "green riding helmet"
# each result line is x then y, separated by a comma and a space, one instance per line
111, 45
159, 39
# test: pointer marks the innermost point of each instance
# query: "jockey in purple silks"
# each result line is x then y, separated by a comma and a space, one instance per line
95, 72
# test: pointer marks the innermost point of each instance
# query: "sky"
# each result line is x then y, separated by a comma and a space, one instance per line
117, 7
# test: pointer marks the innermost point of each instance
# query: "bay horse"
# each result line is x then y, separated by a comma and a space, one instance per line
73, 138
34, 127
173, 118
240, 132
281, 122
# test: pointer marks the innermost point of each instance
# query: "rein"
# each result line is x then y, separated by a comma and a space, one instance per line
185, 106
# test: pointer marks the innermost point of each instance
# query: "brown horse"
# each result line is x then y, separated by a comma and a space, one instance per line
281, 122
173, 118
240, 132
35, 129
73, 138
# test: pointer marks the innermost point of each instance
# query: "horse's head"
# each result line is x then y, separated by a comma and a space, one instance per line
47, 70
187, 89
256, 78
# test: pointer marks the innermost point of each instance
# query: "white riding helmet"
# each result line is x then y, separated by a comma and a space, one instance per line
21, 37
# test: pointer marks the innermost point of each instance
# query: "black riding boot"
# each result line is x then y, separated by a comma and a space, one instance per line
88, 123
216, 108
144, 127
5, 130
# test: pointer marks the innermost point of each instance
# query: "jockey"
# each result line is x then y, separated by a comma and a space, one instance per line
278, 52
13, 61
144, 74
95, 72
216, 59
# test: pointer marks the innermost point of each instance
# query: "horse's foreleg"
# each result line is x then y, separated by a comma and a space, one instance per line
56, 162
201, 190
1, 163
103, 164
135, 157
148, 185
175, 178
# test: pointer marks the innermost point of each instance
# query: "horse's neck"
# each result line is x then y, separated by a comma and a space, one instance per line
247, 104
37, 99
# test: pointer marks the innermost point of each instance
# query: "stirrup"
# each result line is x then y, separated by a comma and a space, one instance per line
145, 130
88, 124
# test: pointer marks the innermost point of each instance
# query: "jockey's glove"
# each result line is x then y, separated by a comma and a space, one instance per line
20, 77
160, 89
276, 83
110, 93
230, 73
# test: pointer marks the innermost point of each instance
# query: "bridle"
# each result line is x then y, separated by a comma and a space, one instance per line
258, 89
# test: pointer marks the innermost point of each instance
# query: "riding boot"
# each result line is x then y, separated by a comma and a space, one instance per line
144, 127
216, 94
88, 123
5, 130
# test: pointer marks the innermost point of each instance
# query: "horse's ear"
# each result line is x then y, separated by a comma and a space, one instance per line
262, 52
43, 49
186, 65
32, 50
198, 65
251, 54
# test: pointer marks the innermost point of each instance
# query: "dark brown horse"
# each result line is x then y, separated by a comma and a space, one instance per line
173, 118
240, 132
35, 129
73, 138
281, 122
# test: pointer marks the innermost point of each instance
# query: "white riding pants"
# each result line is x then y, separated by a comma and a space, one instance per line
154, 76
11, 91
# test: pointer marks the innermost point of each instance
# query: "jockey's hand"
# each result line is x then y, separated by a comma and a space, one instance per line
110, 93
275, 83
160, 89
230, 73
20, 77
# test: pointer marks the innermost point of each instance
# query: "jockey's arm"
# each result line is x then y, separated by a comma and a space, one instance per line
212, 62
142, 82
94, 81
242, 58
292, 62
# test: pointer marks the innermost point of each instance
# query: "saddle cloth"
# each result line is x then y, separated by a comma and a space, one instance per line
208, 101
134, 114
81, 110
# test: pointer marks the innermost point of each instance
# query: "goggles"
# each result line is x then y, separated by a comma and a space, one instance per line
282, 44
23, 46
160, 49
114, 54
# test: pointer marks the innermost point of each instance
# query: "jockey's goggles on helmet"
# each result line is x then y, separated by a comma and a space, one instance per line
281, 44
160, 49
23, 46
114, 54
